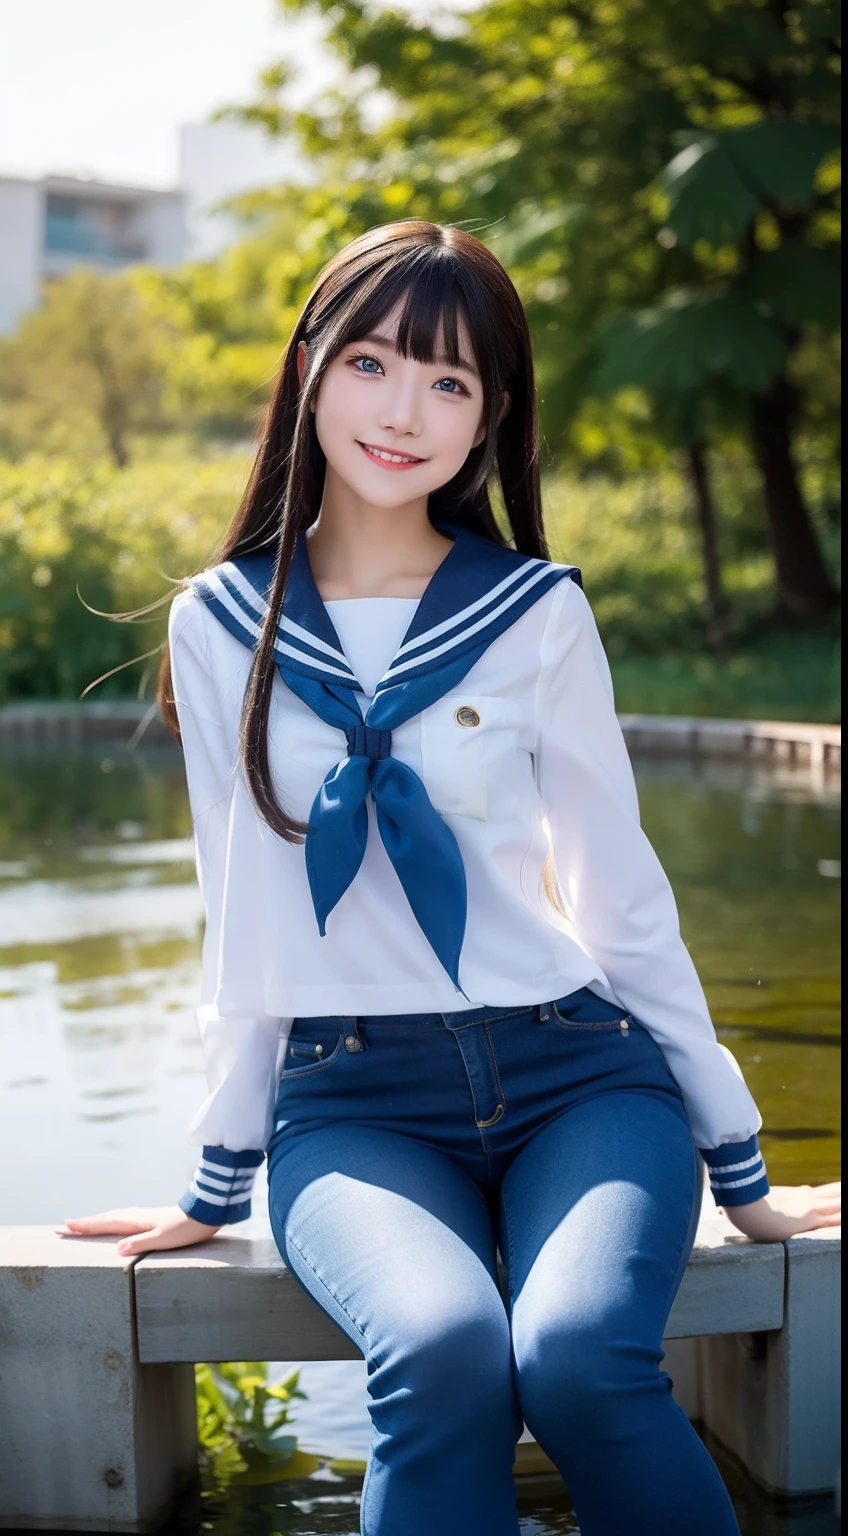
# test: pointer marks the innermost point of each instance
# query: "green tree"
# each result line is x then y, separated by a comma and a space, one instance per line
87, 365
749, 192
616, 156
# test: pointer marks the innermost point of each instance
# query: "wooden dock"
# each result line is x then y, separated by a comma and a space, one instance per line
97, 1407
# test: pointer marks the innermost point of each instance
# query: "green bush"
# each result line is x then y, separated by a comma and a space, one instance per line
76, 533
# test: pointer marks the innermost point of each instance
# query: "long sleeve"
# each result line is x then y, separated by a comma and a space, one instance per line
619, 900
240, 1050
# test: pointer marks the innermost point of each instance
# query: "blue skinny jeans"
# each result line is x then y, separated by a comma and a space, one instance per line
407, 1152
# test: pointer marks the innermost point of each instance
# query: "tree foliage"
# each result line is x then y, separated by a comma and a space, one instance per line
659, 179
80, 538
87, 366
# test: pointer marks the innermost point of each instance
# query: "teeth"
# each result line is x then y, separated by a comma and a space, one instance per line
390, 458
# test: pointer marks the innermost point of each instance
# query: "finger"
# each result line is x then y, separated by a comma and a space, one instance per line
142, 1242
829, 1189
833, 1220
104, 1225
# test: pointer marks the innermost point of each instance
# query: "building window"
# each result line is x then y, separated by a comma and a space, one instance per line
95, 227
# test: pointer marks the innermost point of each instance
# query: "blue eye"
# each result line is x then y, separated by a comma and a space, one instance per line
456, 387
364, 359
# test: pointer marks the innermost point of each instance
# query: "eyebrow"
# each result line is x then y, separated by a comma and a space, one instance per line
443, 362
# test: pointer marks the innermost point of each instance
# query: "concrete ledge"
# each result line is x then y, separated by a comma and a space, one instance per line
124, 721
774, 1398
90, 1440
818, 747
233, 1299
97, 1413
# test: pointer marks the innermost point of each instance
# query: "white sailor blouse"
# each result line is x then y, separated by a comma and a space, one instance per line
440, 750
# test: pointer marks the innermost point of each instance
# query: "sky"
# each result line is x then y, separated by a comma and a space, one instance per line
101, 87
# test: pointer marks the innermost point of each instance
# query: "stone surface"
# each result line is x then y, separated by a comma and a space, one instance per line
90, 1440
231, 1299
774, 1398
97, 1418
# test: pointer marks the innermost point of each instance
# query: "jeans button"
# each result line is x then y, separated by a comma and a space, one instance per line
353, 1043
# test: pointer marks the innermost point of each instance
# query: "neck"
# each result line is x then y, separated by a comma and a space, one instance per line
359, 550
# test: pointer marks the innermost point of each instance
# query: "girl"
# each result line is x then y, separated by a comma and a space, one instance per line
443, 984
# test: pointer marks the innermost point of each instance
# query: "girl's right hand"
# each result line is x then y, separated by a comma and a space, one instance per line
143, 1229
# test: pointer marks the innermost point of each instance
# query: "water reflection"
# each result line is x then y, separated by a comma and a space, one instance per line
745, 850
100, 922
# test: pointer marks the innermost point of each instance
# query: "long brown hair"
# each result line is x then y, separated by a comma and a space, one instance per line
438, 274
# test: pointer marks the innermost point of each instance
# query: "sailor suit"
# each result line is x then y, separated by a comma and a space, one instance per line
440, 750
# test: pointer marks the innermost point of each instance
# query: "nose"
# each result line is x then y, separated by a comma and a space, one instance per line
400, 408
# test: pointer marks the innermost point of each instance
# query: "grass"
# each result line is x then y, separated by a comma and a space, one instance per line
777, 676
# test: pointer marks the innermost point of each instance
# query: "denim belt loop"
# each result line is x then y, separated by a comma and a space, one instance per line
545, 1011
353, 1041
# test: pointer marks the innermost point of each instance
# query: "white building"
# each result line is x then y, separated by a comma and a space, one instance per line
53, 224
50, 225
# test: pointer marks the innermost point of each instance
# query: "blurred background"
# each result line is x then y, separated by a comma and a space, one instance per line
662, 182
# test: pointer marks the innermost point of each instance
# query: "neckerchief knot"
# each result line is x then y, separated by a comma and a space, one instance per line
478, 591
364, 741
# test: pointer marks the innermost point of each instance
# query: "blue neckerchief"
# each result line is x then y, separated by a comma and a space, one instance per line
478, 591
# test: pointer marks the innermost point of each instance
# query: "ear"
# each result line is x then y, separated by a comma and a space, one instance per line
506, 402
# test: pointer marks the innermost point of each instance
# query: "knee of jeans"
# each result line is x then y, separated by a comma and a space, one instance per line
456, 1357
579, 1374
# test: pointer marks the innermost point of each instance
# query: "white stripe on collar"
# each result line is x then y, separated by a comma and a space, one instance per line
541, 571
257, 601
459, 618
250, 619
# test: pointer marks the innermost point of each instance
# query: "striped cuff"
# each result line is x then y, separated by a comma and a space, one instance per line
220, 1191
737, 1172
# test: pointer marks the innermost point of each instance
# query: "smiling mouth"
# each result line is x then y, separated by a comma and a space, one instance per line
389, 460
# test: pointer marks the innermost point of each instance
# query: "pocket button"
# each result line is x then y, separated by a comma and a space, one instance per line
352, 1043
465, 715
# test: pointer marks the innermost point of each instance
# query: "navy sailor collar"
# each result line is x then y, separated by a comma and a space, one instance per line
479, 590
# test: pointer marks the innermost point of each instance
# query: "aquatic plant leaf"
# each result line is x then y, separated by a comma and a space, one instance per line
345, 1466
260, 1472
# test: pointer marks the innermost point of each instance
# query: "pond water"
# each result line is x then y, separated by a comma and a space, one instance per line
100, 1069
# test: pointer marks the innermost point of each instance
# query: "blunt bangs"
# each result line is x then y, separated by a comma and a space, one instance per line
436, 291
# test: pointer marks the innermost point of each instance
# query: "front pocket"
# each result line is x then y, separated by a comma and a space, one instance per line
311, 1049
468, 744
576, 1020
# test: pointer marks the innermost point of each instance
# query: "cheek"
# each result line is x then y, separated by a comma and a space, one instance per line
455, 430
336, 417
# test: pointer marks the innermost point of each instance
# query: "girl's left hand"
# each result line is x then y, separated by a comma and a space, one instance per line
788, 1209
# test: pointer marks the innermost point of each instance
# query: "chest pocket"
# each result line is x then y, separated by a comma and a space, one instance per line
469, 745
